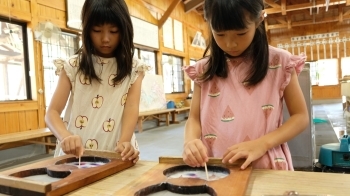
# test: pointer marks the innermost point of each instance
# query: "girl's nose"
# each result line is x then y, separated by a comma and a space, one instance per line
231, 44
105, 37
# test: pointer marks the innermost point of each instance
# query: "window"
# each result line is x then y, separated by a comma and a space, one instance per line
192, 62
172, 74
327, 70
324, 72
345, 66
14, 66
66, 47
149, 57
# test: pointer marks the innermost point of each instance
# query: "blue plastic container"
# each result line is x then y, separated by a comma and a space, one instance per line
170, 104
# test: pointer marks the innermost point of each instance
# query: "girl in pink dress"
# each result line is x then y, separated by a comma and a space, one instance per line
236, 109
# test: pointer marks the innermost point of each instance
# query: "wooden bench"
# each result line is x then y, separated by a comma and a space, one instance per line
36, 136
178, 111
157, 114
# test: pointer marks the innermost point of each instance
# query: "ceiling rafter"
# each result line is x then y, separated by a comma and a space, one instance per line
292, 13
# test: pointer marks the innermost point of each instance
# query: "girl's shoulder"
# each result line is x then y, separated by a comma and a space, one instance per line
140, 65
280, 57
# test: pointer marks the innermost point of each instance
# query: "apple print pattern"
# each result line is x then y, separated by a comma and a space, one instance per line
95, 108
97, 102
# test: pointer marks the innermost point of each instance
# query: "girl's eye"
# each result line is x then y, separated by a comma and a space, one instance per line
95, 30
220, 34
242, 33
115, 31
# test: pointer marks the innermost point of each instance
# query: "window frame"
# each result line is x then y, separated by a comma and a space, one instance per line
26, 62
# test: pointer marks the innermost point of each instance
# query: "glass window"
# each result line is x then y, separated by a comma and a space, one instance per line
64, 48
192, 62
14, 67
149, 57
172, 74
327, 70
345, 66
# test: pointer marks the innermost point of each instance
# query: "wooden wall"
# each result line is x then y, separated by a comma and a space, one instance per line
16, 116
284, 35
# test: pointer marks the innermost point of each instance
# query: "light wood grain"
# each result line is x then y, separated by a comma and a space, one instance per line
24, 135
261, 182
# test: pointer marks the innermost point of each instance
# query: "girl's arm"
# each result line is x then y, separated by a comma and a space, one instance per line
299, 115
195, 153
129, 119
54, 121
298, 121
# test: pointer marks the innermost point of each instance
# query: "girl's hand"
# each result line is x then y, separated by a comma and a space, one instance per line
250, 150
127, 151
195, 153
72, 145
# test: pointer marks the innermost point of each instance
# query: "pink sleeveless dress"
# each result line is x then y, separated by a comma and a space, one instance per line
231, 112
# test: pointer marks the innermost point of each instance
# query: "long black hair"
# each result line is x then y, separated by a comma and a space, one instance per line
99, 12
225, 15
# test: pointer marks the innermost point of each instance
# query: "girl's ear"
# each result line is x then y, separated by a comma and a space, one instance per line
262, 15
261, 18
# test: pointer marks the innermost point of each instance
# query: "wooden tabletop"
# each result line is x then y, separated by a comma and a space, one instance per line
262, 182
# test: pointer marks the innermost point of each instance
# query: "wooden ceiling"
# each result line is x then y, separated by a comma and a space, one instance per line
292, 13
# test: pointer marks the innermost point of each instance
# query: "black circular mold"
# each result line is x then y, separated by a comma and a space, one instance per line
183, 190
83, 159
168, 172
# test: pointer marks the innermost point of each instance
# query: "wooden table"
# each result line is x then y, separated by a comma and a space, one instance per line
262, 182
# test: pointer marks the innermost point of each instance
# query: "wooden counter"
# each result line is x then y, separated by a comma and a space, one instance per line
262, 182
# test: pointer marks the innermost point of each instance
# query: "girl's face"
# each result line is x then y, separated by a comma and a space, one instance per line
235, 42
105, 39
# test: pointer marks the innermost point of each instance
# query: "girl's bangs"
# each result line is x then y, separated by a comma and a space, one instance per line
104, 15
223, 18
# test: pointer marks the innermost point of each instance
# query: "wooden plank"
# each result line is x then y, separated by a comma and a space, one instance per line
18, 106
211, 161
20, 183
77, 179
56, 4
101, 153
2, 123
31, 120
11, 123
19, 10
167, 13
193, 4
147, 113
22, 123
234, 184
24, 135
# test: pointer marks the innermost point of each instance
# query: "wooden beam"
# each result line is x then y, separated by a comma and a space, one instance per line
303, 23
346, 13
340, 13
281, 20
302, 6
289, 21
283, 7
167, 13
193, 4
272, 4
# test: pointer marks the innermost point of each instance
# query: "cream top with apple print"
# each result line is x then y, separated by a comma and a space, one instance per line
95, 110
232, 112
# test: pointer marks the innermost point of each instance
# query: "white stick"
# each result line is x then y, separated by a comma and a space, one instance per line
206, 171
79, 162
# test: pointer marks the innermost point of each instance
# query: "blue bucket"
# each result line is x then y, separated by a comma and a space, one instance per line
170, 104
